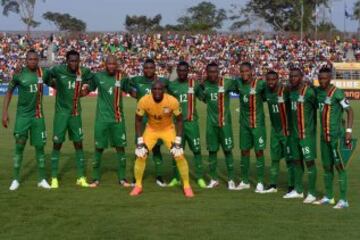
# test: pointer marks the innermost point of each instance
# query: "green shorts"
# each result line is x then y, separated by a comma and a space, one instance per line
216, 136
279, 146
252, 138
330, 153
64, 122
192, 136
113, 132
33, 126
304, 149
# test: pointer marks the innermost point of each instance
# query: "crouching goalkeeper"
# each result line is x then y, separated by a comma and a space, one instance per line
159, 107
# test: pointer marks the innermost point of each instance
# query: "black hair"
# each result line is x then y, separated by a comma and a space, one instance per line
31, 51
183, 63
246, 64
149, 60
293, 69
325, 69
212, 64
272, 72
72, 53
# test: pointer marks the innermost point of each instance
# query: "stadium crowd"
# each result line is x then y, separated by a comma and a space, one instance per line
273, 52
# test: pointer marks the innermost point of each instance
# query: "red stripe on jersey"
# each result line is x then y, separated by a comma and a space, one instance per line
77, 93
190, 95
283, 116
252, 104
38, 110
300, 113
326, 115
117, 97
221, 103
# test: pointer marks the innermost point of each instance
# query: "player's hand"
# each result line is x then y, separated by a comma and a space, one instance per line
176, 149
141, 149
5, 120
348, 138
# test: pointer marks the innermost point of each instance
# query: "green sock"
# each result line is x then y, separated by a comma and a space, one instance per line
343, 184
274, 171
312, 173
213, 165
299, 172
96, 165
175, 170
18, 157
55, 155
122, 165
260, 168
229, 165
244, 167
290, 172
40, 158
198, 165
328, 180
80, 163
158, 160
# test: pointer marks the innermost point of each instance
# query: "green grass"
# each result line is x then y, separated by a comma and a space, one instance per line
160, 213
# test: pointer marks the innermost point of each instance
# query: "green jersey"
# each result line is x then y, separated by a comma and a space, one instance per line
106, 86
27, 83
331, 104
67, 100
303, 112
185, 93
278, 104
217, 98
252, 103
142, 85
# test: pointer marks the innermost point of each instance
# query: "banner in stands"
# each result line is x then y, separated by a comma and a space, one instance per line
352, 94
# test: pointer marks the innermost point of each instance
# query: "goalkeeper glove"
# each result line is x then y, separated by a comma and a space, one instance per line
141, 149
176, 148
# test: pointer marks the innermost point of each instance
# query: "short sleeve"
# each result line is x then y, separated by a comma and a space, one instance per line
341, 98
93, 83
13, 83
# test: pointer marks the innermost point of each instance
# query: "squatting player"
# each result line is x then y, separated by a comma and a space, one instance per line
252, 125
160, 108
68, 81
215, 92
332, 103
141, 85
185, 89
277, 97
29, 116
302, 134
110, 118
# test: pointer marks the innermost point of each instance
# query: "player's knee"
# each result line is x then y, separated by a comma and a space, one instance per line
245, 153
228, 153
120, 149
57, 146
327, 168
259, 153
99, 150
298, 162
339, 167
78, 145
310, 163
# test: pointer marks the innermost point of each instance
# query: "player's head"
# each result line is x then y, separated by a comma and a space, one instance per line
295, 77
324, 77
182, 70
149, 68
111, 64
73, 60
246, 71
157, 91
212, 72
272, 79
32, 59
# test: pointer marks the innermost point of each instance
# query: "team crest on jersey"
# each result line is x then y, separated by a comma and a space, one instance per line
328, 100
252, 91
301, 99
221, 89
117, 84
190, 90
281, 99
166, 110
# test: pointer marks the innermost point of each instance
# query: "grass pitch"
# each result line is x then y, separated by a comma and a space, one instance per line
108, 212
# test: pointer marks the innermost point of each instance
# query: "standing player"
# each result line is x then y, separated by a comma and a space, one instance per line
277, 98
141, 85
69, 79
110, 118
252, 125
302, 134
184, 89
332, 103
29, 116
215, 92
160, 108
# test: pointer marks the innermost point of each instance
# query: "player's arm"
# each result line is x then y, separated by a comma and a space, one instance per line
7, 99
345, 104
127, 86
90, 86
49, 77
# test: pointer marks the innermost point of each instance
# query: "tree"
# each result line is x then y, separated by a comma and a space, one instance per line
239, 18
326, 27
204, 17
65, 22
26, 9
142, 23
284, 15
356, 13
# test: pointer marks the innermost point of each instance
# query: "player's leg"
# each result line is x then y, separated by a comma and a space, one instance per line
38, 140
259, 138
101, 137
159, 164
290, 166
212, 141
22, 127
76, 136
60, 124
246, 143
227, 144
276, 153
339, 165
308, 146
328, 168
